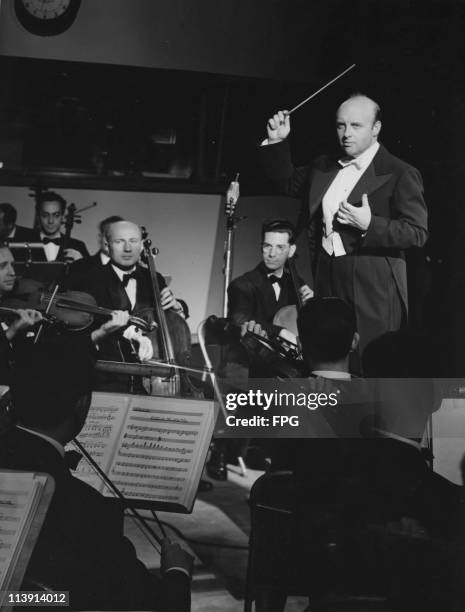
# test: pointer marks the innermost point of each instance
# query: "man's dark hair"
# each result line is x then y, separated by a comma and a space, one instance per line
49, 378
102, 226
50, 196
9, 213
326, 329
279, 225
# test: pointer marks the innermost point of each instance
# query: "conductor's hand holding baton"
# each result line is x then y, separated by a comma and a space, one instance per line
278, 127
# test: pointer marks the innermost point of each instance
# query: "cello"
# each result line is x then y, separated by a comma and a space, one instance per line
287, 315
282, 357
171, 341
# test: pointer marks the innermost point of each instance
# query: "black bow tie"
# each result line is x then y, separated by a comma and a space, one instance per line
276, 279
56, 241
127, 277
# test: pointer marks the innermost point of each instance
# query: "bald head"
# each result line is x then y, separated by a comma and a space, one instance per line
122, 226
124, 241
357, 124
365, 104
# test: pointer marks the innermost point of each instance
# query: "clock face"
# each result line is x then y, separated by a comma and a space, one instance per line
46, 17
46, 9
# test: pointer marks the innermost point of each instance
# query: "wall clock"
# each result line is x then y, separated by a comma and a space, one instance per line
46, 17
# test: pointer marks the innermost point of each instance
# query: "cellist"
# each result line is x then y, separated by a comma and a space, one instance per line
123, 285
260, 293
253, 301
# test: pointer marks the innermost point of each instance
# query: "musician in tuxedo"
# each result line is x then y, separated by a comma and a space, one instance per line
124, 286
81, 547
80, 268
50, 211
259, 294
363, 211
11, 329
9, 231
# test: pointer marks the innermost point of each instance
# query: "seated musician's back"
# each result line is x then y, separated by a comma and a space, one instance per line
81, 547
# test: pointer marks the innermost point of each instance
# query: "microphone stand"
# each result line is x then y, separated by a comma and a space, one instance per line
232, 196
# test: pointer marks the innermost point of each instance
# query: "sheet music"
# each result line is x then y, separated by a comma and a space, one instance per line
161, 447
100, 434
19, 496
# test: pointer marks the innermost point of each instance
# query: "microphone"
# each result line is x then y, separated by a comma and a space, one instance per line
232, 195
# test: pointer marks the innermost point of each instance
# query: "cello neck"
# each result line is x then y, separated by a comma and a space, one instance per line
165, 338
295, 280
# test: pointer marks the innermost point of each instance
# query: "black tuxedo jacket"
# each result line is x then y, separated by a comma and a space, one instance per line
105, 286
80, 269
81, 547
399, 221
72, 243
252, 297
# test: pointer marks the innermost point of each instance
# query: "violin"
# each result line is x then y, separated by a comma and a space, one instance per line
8, 313
73, 310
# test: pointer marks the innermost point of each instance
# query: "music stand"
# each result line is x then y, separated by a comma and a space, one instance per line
46, 272
27, 251
30, 533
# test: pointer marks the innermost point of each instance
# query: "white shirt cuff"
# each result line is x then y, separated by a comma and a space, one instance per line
266, 142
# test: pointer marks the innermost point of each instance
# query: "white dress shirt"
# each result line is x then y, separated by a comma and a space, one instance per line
51, 249
104, 258
276, 286
339, 190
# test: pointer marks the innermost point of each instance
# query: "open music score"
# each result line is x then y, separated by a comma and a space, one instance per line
24, 500
153, 448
